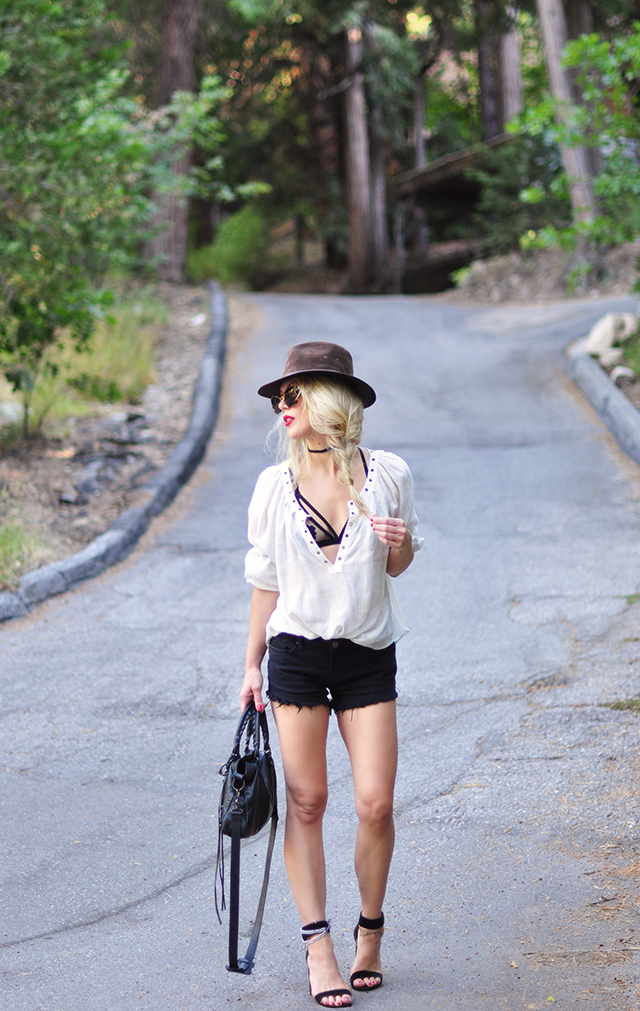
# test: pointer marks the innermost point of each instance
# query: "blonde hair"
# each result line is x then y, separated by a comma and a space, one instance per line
335, 412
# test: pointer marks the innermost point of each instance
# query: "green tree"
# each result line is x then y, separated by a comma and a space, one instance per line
607, 74
78, 161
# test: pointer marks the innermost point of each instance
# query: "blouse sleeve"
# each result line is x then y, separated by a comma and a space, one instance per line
399, 484
260, 565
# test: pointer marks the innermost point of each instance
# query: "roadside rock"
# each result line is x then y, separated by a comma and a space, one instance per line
611, 329
621, 372
611, 357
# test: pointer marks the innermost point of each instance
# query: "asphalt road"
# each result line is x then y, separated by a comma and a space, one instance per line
515, 880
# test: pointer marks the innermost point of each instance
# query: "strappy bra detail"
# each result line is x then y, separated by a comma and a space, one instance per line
320, 529
318, 526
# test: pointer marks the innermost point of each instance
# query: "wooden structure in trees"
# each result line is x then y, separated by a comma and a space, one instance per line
445, 177
442, 183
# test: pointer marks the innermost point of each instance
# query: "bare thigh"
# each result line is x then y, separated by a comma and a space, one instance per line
303, 739
371, 737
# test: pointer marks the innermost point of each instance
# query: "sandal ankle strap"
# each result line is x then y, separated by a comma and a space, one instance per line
314, 931
371, 924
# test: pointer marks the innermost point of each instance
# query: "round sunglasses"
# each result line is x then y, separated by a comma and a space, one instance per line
290, 396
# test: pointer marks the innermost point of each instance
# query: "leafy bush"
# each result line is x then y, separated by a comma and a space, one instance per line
239, 252
607, 73
523, 189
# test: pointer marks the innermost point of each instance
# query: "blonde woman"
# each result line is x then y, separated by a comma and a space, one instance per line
328, 525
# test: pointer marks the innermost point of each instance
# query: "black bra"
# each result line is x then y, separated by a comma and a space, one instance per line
320, 529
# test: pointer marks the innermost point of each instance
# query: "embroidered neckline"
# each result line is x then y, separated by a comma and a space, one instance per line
344, 544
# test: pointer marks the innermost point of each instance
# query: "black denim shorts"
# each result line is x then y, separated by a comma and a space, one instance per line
330, 672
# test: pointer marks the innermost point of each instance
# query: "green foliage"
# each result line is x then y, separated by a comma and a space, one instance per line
78, 162
16, 548
623, 705
98, 388
239, 252
519, 192
284, 65
116, 364
631, 350
460, 275
452, 113
607, 72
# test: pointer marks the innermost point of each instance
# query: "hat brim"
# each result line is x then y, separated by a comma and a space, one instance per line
366, 393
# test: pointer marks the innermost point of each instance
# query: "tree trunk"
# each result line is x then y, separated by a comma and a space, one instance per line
579, 18
380, 236
554, 31
580, 22
358, 169
419, 110
299, 243
399, 224
488, 73
177, 73
510, 71
418, 118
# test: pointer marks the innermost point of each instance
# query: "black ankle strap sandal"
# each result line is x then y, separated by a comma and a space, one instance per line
371, 927
313, 932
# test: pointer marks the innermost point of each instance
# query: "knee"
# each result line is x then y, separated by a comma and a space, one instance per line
375, 812
306, 806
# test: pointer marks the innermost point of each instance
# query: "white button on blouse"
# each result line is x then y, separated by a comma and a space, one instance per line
351, 598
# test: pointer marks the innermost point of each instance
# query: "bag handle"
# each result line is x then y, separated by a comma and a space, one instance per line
254, 724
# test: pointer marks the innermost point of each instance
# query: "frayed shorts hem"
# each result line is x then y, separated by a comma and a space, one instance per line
328, 704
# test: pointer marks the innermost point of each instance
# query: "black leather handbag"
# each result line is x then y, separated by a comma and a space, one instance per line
248, 800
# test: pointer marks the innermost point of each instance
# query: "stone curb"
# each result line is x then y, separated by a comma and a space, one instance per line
116, 542
617, 412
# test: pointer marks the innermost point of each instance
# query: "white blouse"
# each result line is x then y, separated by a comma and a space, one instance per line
351, 598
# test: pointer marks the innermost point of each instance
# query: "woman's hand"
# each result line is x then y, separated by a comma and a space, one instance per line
252, 689
394, 534
391, 531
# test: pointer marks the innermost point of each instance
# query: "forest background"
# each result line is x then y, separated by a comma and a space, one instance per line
238, 140
147, 146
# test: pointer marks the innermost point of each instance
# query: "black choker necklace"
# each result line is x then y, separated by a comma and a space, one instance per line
319, 450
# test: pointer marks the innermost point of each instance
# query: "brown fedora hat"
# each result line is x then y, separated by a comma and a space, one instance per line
320, 358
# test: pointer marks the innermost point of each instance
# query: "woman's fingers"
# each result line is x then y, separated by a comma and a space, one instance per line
247, 696
390, 530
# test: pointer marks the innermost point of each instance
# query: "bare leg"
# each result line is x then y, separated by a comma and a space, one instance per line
303, 738
371, 739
